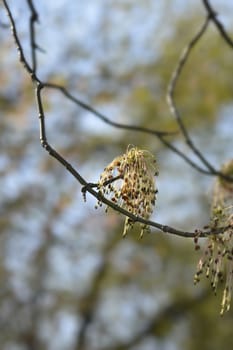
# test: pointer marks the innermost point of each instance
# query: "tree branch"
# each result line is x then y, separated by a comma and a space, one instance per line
171, 92
102, 117
159, 134
88, 187
175, 111
33, 19
213, 17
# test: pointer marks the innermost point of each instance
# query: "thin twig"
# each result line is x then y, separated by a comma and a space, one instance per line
101, 116
213, 17
22, 58
32, 72
171, 92
45, 144
98, 195
19, 47
33, 19
159, 134
210, 170
183, 156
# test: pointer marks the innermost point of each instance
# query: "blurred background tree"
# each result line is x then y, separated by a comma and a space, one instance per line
68, 280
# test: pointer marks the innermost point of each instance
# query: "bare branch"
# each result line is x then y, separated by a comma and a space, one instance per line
32, 72
185, 157
102, 117
33, 19
159, 134
213, 17
174, 109
22, 57
89, 187
171, 92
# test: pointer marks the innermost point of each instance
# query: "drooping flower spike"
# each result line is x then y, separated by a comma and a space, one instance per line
217, 260
128, 181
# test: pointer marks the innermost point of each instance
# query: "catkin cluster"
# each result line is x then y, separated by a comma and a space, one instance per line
128, 181
217, 260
